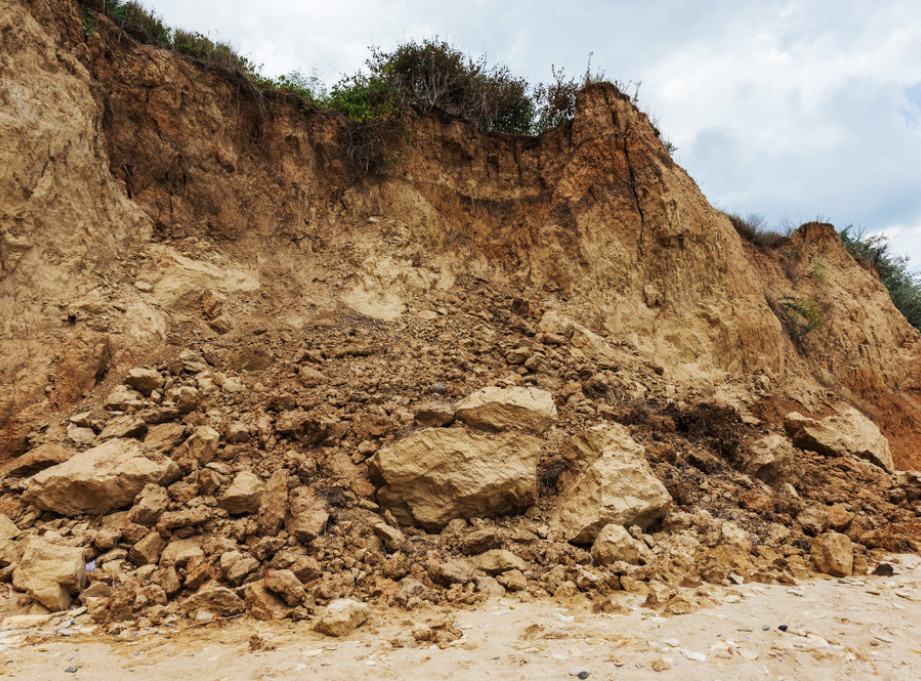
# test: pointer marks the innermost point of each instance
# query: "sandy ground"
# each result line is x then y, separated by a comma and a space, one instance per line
855, 628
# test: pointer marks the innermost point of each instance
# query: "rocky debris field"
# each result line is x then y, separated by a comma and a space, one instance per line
858, 627
484, 448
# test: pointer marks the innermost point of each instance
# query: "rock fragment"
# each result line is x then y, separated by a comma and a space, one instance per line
50, 573
341, 617
495, 408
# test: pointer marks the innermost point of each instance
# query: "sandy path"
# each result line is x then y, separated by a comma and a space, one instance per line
866, 628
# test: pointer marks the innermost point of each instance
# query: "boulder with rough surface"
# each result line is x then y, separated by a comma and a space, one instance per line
99, 480
833, 554
50, 573
341, 617
849, 433
607, 480
243, 495
439, 474
497, 408
613, 544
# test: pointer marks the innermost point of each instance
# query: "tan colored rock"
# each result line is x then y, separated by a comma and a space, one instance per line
201, 446
308, 515
769, 458
454, 571
848, 433
262, 604
833, 554
149, 505
498, 560
148, 550
214, 598
391, 537
286, 585
439, 474
341, 617
608, 481
99, 480
51, 574
145, 381
123, 427
495, 408
37, 459
181, 551
164, 437
243, 495
8, 529
434, 413
273, 505
613, 544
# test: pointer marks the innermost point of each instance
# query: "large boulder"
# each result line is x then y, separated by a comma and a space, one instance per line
607, 480
439, 474
849, 433
833, 554
341, 617
496, 408
99, 480
50, 573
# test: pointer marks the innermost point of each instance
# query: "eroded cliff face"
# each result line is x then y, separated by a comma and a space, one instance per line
148, 201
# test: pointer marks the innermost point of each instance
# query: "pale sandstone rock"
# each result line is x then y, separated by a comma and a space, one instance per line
769, 458
243, 495
145, 381
286, 585
148, 550
99, 480
495, 408
434, 413
341, 617
498, 560
37, 459
455, 571
201, 445
262, 604
439, 474
217, 599
848, 433
274, 504
149, 505
614, 543
833, 554
8, 529
51, 574
308, 515
608, 481
391, 537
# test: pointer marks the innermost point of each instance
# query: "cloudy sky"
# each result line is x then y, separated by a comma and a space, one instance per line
789, 109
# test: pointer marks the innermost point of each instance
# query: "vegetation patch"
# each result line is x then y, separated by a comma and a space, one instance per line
875, 251
754, 229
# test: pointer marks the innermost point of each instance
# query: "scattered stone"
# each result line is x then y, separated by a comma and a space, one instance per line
454, 571
833, 554
243, 495
848, 433
341, 617
580, 672
286, 584
434, 413
145, 381
201, 446
814, 520
392, 539
308, 515
50, 573
495, 408
217, 599
609, 481
614, 543
99, 480
498, 560
884, 570
273, 505
439, 474
149, 505
37, 459
148, 550
123, 427
263, 604
8, 529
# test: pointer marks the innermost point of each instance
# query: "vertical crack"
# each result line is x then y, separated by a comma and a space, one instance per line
636, 196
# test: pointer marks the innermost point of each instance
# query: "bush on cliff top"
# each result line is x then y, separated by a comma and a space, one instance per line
903, 286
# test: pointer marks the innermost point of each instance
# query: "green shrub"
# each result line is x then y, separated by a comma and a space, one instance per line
807, 314
903, 286
555, 101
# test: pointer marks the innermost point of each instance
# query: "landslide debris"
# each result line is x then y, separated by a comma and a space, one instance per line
242, 382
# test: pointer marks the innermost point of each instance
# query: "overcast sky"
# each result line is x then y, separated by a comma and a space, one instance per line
790, 109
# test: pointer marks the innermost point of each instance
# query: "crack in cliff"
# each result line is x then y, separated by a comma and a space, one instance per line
633, 188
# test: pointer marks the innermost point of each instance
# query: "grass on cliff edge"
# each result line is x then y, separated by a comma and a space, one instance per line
417, 76
903, 286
